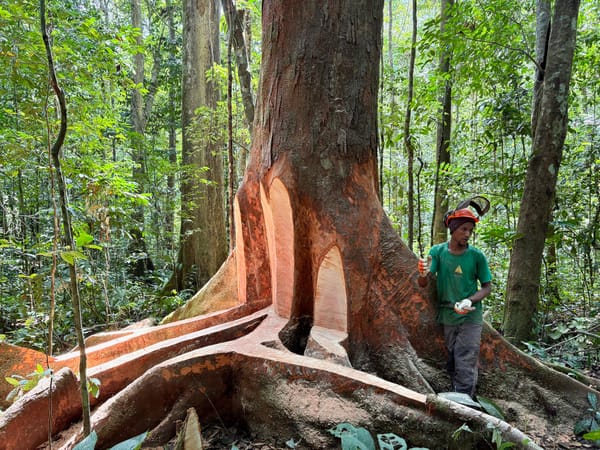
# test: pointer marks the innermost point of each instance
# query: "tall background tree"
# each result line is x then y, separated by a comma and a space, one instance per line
203, 241
444, 127
549, 132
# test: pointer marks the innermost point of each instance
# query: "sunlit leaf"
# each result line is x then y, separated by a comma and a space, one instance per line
88, 443
134, 443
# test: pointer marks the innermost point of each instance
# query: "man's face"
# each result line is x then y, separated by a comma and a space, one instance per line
462, 234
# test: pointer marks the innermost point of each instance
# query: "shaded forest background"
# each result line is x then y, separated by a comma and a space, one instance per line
120, 66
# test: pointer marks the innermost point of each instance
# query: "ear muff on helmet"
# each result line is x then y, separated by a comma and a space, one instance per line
464, 213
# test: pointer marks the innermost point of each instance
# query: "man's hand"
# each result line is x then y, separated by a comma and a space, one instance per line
423, 266
464, 306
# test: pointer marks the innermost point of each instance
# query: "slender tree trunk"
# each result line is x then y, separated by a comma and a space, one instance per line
68, 232
236, 32
172, 130
438, 230
141, 262
523, 283
408, 141
542, 33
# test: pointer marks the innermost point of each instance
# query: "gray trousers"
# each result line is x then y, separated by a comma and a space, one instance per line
462, 344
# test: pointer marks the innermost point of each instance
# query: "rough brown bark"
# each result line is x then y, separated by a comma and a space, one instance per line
236, 33
408, 140
523, 283
442, 145
141, 263
203, 238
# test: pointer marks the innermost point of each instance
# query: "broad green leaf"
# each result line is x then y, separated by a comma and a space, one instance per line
363, 435
342, 428
582, 426
391, 441
592, 435
83, 239
89, 443
12, 381
135, 443
593, 400
461, 398
70, 256
350, 442
490, 407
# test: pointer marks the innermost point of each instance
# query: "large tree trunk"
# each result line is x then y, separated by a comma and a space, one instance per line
550, 129
203, 243
333, 325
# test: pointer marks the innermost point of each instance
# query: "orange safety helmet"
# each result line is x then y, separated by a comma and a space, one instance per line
464, 213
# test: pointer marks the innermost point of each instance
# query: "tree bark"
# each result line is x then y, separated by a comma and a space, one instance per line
169, 219
550, 130
542, 33
236, 30
141, 263
203, 240
438, 229
408, 141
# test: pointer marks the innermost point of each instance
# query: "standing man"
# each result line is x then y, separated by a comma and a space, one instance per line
463, 281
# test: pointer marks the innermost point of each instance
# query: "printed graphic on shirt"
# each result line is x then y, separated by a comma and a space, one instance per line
458, 270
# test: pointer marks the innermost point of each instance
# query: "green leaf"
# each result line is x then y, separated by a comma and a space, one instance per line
88, 443
593, 400
464, 427
70, 256
582, 426
135, 443
592, 435
350, 442
93, 385
12, 381
391, 441
363, 435
342, 428
83, 239
12, 395
490, 407
291, 443
461, 398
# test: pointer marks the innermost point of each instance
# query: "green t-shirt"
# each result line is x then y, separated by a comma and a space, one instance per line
457, 279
